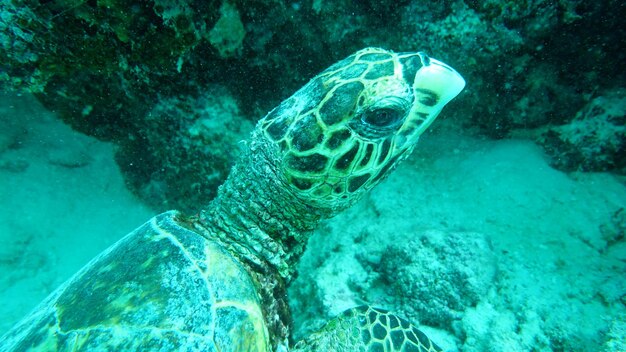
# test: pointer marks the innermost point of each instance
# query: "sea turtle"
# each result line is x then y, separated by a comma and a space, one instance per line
216, 281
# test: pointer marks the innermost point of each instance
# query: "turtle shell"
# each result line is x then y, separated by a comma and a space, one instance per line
163, 287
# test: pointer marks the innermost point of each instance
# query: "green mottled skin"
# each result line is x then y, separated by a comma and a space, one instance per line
216, 282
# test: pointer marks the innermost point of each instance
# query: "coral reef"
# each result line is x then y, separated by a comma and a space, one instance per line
433, 278
595, 140
102, 66
228, 33
189, 144
616, 337
505, 51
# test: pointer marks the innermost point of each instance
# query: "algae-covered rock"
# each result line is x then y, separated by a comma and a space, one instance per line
189, 145
493, 328
595, 140
228, 33
616, 336
435, 277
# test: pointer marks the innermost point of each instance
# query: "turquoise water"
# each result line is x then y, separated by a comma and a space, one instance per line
503, 231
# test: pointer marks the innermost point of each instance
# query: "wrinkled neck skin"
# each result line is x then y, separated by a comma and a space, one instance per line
257, 214
257, 217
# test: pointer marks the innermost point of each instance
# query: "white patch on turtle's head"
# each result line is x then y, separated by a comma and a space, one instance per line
434, 85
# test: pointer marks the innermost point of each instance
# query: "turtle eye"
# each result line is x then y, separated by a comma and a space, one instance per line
388, 112
382, 117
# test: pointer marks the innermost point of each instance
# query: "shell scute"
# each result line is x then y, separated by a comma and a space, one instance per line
162, 287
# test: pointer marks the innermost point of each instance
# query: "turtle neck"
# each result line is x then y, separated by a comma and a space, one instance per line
257, 215
260, 220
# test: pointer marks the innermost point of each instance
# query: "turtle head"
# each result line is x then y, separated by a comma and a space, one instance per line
344, 131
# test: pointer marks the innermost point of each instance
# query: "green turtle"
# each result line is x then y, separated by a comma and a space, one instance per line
217, 281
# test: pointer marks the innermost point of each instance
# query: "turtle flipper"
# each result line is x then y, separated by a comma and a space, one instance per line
366, 328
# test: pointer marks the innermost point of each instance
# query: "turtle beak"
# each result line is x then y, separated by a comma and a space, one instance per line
435, 84
440, 78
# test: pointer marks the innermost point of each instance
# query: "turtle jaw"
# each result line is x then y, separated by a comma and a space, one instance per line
440, 78
435, 85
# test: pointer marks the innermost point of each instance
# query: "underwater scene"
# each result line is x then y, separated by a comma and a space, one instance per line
230, 175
